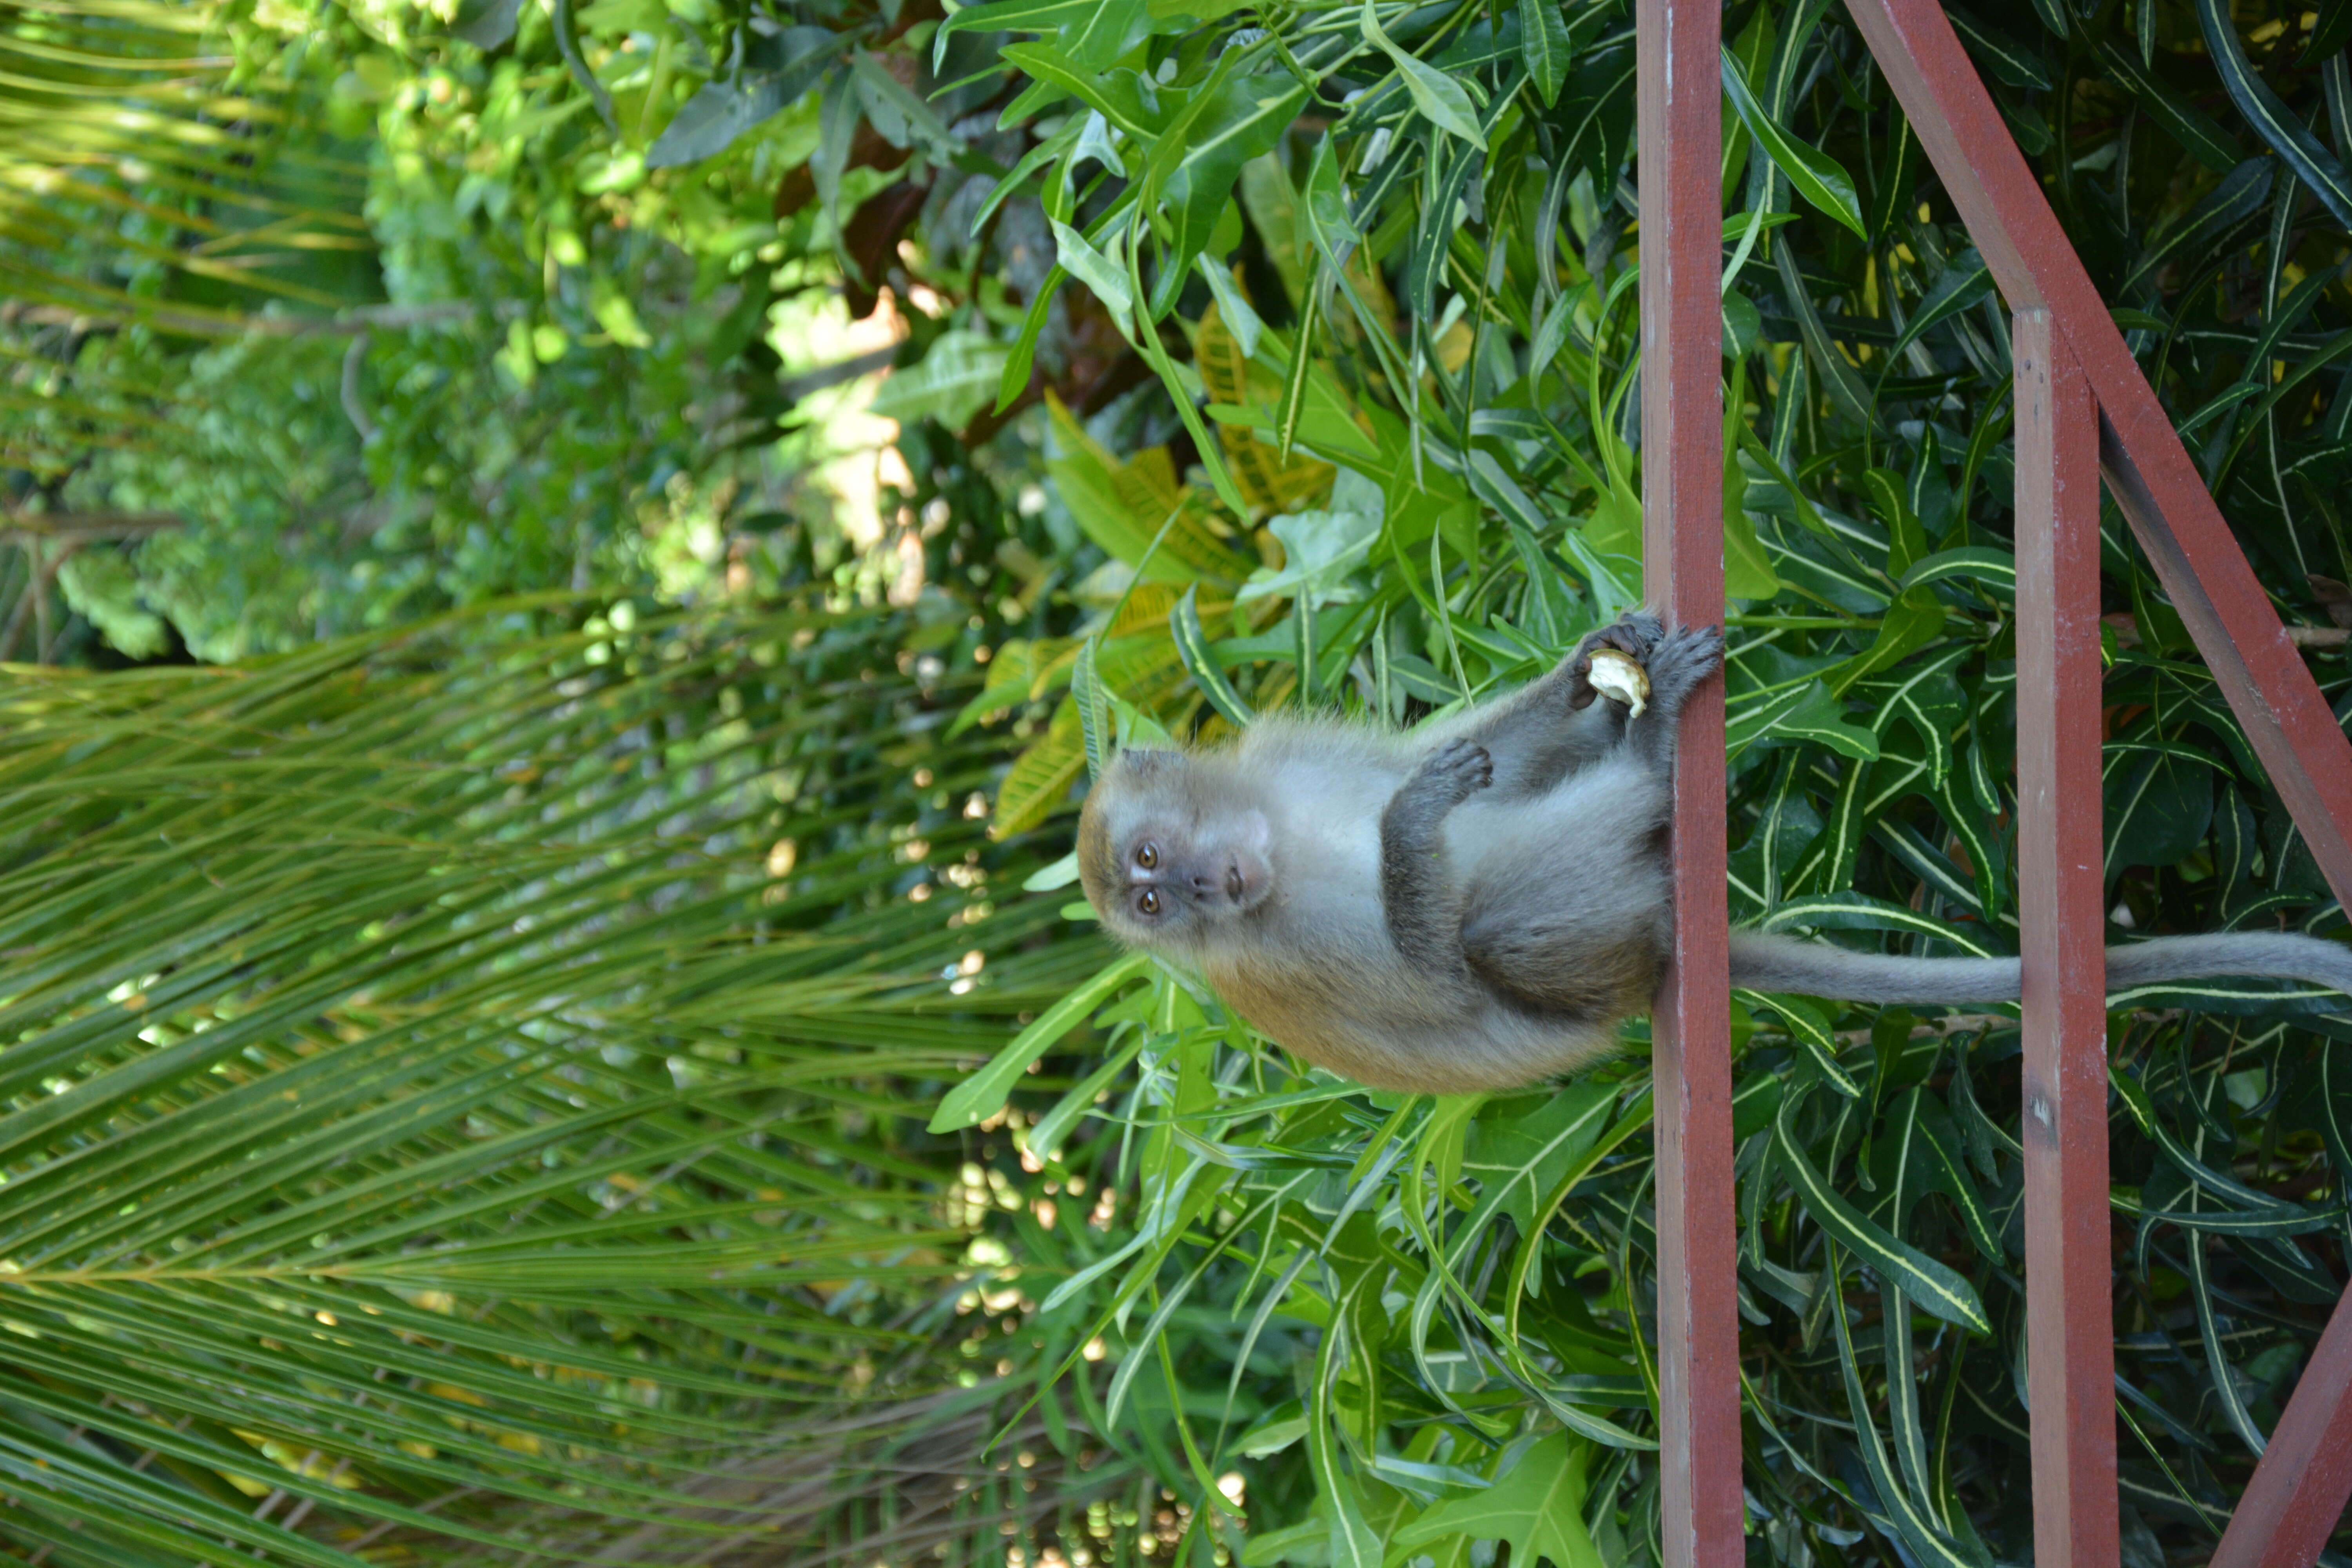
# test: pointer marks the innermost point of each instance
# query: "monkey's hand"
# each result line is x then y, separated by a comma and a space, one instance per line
1635, 634
1451, 774
1417, 895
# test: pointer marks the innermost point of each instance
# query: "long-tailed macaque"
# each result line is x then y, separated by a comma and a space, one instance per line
1475, 904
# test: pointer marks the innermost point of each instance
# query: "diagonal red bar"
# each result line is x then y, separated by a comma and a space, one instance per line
2299, 1489
2070, 1307
2290, 1505
2203, 570
1680, 158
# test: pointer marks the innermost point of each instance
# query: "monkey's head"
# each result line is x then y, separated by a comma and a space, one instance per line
1168, 857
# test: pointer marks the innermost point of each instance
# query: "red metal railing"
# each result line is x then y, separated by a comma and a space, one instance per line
1681, 133
2070, 1318
2083, 409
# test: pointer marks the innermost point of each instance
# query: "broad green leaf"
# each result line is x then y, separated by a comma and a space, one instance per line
1912, 1520
1193, 647
1438, 97
956, 378
1806, 712
1195, 165
983, 1094
1120, 97
1817, 176
1747, 566
1232, 306
1321, 550
1935, 1288
1021, 16
1925, 696
892, 107
2186, 123
1914, 620
1860, 911
1103, 31
1974, 562
1538, 1506
1545, 47
1919, 1140
721, 112
1020, 358
1516, 1162
1890, 506
1104, 274
1810, 1029
2271, 118
2158, 804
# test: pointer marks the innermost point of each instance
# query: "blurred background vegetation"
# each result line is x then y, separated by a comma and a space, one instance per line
558, 566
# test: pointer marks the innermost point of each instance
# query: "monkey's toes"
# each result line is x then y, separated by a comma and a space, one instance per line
1687, 656
1697, 650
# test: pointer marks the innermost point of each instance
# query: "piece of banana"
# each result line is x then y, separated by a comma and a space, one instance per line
1617, 675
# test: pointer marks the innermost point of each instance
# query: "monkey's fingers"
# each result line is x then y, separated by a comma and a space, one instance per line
1465, 766
1580, 682
1626, 638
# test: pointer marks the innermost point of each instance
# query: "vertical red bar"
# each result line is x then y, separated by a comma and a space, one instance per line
2069, 1309
1679, 44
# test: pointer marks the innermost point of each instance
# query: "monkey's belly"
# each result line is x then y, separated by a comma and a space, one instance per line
1389, 1031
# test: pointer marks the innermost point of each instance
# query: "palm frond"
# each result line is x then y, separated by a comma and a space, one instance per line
430, 1078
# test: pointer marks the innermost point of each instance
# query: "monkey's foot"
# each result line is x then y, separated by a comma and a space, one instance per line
1635, 634
1683, 657
1458, 770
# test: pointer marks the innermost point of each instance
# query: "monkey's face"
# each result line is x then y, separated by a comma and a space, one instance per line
1166, 861
1182, 880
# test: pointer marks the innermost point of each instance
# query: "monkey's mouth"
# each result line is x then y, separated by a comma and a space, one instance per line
1246, 882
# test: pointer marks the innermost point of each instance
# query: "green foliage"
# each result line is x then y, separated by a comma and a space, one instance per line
458, 1098
445, 316
1440, 1314
1330, 316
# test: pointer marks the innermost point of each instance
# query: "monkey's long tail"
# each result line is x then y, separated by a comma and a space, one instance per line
1763, 961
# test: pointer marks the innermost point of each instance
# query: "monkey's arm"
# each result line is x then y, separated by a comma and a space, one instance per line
1419, 899
1553, 726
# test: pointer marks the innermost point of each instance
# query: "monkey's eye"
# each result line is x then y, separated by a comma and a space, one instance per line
1149, 901
1148, 856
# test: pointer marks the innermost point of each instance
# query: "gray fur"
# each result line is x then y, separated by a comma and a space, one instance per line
1476, 905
